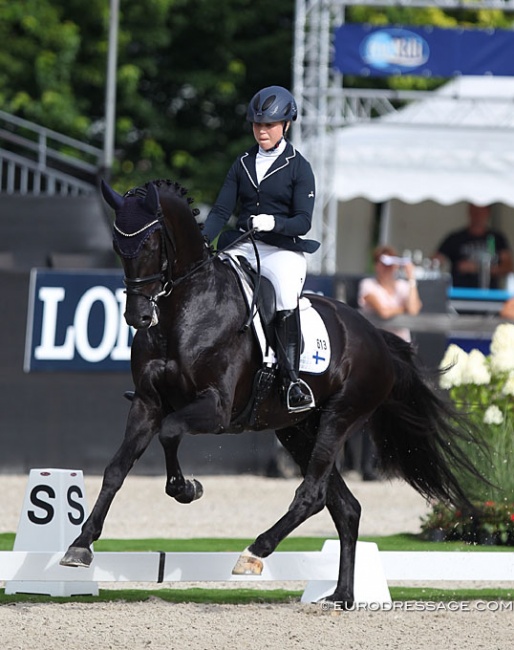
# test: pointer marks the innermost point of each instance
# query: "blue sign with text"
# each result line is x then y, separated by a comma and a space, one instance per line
367, 50
75, 322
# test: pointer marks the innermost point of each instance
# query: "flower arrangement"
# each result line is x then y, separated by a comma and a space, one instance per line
492, 523
482, 387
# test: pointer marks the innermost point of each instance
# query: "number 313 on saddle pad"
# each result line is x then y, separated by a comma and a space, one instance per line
316, 344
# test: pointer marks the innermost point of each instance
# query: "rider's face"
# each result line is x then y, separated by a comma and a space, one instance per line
268, 134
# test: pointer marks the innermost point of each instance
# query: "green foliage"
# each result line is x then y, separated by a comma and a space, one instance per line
483, 389
494, 463
491, 523
186, 70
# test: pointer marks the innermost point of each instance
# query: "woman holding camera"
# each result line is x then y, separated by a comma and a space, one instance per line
387, 295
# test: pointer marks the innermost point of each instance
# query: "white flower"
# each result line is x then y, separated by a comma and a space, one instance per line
508, 387
455, 360
493, 415
476, 370
502, 348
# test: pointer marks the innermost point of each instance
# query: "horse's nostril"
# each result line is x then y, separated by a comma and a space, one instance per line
138, 321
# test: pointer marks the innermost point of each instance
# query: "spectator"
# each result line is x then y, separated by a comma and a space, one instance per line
477, 255
386, 295
507, 310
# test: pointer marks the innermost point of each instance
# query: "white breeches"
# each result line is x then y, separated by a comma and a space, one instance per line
285, 269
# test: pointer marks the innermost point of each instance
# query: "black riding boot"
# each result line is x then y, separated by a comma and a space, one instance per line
287, 329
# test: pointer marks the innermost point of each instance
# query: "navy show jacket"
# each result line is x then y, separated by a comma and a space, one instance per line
286, 191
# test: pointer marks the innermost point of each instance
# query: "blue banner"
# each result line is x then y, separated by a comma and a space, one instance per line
75, 322
366, 50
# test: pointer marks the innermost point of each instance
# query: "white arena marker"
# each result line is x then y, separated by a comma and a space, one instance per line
370, 584
52, 515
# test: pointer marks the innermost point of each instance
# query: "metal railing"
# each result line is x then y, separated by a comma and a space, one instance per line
36, 160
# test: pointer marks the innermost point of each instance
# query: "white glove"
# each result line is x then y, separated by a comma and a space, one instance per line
263, 222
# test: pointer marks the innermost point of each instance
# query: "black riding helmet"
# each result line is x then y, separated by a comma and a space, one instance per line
272, 104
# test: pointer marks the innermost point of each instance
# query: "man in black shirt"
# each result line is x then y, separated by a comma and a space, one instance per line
478, 256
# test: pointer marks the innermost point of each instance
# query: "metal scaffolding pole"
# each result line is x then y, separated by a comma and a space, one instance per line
110, 91
325, 105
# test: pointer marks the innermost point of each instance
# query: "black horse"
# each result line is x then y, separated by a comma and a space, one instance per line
194, 369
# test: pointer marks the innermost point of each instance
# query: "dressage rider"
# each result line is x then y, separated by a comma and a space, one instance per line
271, 189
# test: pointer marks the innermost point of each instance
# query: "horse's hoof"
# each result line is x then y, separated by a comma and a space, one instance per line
78, 557
248, 564
191, 491
341, 603
197, 489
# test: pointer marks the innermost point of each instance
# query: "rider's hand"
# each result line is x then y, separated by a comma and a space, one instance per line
263, 222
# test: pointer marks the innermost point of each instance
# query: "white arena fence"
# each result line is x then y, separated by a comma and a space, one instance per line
54, 510
374, 570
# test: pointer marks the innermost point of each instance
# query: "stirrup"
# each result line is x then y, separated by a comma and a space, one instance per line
307, 394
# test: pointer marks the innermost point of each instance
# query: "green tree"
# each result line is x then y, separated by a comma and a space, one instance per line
204, 77
186, 70
36, 64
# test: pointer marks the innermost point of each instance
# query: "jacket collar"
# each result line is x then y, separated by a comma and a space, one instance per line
248, 162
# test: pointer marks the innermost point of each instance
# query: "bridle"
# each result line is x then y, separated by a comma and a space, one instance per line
168, 248
134, 286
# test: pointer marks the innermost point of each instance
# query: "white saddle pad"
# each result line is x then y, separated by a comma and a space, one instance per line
316, 352
316, 349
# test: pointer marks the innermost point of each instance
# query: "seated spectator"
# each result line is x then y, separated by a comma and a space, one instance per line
507, 310
386, 295
477, 256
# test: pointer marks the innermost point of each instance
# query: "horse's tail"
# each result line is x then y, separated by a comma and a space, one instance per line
419, 435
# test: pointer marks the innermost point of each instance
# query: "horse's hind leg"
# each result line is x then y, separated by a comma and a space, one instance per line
133, 445
345, 512
315, 456
344, 509
319, 488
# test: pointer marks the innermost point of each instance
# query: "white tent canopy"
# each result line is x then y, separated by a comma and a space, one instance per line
455, 146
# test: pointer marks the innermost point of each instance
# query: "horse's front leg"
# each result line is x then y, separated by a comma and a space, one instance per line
139, 433
200, 416
177, 487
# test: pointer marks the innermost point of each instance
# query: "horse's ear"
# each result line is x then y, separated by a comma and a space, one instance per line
114, 199
152, 198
